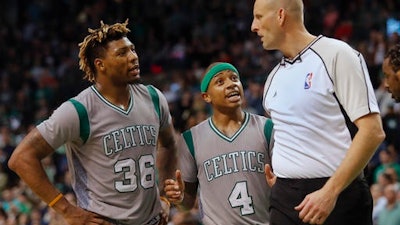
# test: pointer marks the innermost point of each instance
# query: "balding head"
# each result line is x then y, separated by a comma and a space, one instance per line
280, 25
294, 8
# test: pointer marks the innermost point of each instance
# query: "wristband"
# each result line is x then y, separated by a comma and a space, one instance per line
55, 200
164, 199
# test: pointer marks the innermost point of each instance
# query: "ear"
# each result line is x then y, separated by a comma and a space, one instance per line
98, 63
206, 97
398, 74
281, 16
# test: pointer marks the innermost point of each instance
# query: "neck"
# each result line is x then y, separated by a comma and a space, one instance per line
116, 95
296, 42
228, 124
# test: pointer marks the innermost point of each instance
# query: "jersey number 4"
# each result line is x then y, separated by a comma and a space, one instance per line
128, 168
240, 197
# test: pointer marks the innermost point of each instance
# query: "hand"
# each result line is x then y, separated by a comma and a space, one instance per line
164, 218
269, 175
316, 207
165, 210
79, 216
174, 189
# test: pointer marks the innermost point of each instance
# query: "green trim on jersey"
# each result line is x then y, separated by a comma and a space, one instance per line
223, 136
187, 135
268, 130
110, 104
84, 126
155, 99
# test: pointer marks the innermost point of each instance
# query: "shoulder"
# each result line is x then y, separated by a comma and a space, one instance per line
331, 46
200, 126
85, 96
197, 131
261, 123
146, 88
331, 42
149, 90
256, 117
140, 88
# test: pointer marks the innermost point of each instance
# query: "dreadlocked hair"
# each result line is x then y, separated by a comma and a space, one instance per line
94, 45
394, 57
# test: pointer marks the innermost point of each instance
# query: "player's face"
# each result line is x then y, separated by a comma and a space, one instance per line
121, 61
265, 23
392, 80
225, 90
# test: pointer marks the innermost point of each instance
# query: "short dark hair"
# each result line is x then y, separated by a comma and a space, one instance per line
394, 57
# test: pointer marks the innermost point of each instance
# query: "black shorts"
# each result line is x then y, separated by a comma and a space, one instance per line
353, 207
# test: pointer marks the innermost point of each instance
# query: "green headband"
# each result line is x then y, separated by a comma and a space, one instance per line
214, 71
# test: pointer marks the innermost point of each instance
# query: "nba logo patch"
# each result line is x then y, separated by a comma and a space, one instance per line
307, 82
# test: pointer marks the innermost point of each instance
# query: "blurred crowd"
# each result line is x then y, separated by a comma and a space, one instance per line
175, 41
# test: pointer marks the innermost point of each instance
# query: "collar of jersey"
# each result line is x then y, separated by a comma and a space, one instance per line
297, 58
222, 135
126, 112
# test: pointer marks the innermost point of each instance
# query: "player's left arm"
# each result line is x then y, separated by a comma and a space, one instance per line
167, 143
166, 155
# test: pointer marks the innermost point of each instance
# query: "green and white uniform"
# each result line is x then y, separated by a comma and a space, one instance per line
112, 152
230, 170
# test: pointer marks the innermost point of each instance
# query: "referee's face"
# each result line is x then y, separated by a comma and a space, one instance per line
266, 23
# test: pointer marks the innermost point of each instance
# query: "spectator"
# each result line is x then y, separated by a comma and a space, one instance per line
387, 159
390, 215
379, 201
391, 125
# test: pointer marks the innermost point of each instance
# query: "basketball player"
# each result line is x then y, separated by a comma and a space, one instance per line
326, 121
111, 131
224, 156
391, 70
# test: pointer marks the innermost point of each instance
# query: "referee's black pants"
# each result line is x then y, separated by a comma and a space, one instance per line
353, 207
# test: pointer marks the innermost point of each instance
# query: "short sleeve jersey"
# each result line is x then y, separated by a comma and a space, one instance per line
229, 170
313, 101
112, 152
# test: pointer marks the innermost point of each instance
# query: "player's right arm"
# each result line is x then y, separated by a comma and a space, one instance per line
182, 194
26, 162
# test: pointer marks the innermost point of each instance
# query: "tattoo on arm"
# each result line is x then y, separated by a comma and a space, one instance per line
36, 141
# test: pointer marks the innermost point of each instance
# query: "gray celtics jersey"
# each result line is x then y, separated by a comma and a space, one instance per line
230, 170
112, 152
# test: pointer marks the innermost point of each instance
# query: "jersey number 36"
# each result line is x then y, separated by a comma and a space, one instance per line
128, 168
